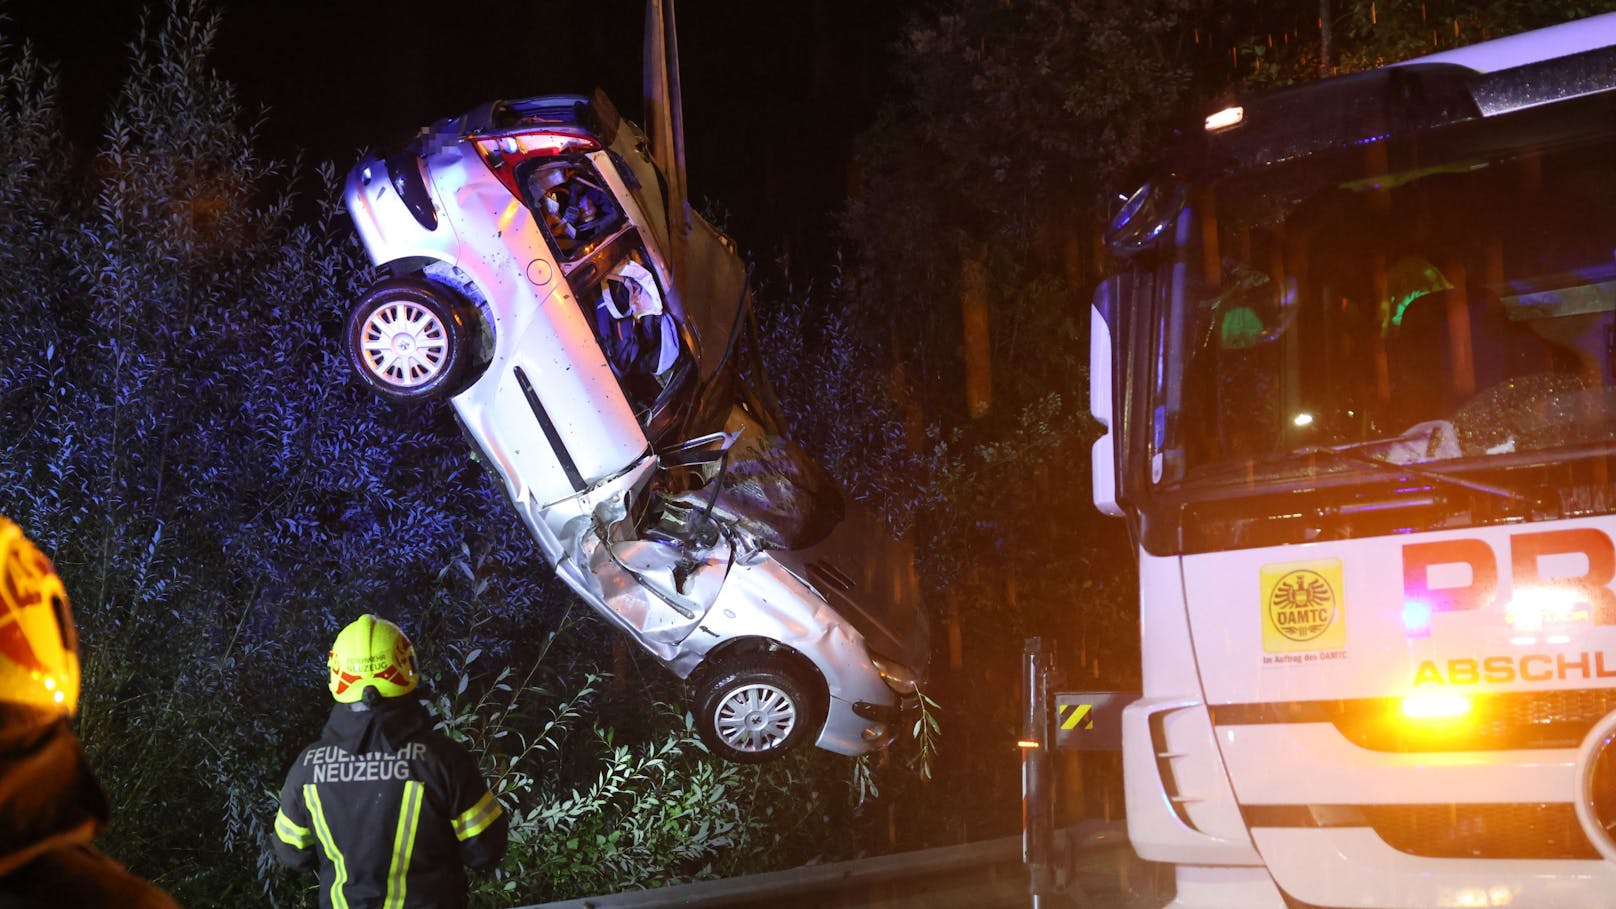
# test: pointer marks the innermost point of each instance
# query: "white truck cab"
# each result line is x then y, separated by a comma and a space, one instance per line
1358, 376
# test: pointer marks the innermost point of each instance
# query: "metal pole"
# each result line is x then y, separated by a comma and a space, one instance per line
1037, 802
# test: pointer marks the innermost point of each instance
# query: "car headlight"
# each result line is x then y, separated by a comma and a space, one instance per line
899, 678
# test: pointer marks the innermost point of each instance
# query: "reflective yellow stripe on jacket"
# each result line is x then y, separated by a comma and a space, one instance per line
409, 816
290, 833
476, 818
311, 797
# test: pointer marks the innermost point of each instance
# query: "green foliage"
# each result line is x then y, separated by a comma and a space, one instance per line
34, 157
1386, 31
186, 443
927, 732
1280, 44
923, 748
592, 814
841, 400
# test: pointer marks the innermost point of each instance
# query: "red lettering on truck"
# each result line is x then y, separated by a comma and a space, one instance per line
1526, 554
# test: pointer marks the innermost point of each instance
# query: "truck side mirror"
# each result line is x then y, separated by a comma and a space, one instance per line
1103, 457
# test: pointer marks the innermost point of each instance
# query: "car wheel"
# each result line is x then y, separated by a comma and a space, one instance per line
410, 339
752, 709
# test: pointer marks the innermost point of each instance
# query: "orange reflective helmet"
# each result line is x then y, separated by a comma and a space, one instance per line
371, 653
39, 660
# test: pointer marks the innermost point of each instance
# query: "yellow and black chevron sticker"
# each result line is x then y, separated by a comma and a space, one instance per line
1089, 720
1077, 716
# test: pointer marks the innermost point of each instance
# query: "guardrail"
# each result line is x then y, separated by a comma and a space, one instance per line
1094, 854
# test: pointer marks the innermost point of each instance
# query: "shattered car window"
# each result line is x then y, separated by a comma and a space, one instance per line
576, 209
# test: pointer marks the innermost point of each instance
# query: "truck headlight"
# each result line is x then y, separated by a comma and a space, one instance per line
899, 678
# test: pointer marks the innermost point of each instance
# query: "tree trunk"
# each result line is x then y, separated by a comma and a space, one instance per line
1324, 38
974, 313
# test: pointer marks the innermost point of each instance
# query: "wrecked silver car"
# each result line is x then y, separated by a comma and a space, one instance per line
530, 248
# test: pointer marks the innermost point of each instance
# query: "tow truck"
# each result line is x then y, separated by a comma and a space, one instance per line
1357, 374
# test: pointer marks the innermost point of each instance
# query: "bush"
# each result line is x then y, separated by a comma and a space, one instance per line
221, 497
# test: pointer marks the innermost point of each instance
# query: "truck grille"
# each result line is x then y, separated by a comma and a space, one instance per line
1504, 831
1468, 831
1497, 722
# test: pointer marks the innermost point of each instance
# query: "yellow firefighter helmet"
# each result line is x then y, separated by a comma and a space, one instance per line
371, 653
39, 660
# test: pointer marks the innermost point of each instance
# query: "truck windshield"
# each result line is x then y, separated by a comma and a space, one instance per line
1430, 309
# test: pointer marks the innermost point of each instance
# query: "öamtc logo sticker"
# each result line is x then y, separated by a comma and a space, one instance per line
1303, 607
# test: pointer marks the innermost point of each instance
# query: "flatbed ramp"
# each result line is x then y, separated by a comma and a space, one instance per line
1098, 866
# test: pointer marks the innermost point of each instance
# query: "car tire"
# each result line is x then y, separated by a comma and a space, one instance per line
753, 709
410, 339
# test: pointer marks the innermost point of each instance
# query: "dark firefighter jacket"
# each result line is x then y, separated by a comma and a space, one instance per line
50, 808
389, 810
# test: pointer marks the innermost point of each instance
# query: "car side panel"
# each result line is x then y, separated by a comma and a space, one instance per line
547, 410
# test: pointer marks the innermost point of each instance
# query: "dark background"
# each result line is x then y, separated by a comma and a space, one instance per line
774, 92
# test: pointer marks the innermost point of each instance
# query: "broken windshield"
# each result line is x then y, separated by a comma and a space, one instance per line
1446, 311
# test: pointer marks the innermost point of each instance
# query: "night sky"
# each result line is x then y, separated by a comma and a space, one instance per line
774, 91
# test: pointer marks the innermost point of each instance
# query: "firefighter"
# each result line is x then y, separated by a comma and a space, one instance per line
388, 809
50, 804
